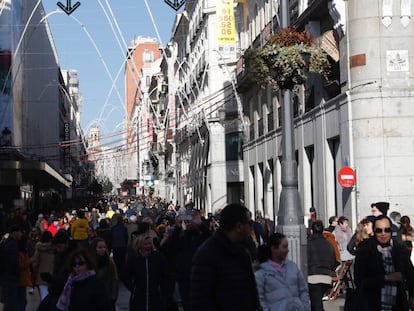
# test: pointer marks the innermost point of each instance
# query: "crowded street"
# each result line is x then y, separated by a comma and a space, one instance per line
122, 303
206, 155
119, 244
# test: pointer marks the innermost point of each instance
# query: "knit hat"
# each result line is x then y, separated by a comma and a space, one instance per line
383, 207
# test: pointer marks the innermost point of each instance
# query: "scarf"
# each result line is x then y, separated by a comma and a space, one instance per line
279, 268
64, 299
388, 292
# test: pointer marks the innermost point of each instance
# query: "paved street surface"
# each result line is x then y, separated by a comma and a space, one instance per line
122, 303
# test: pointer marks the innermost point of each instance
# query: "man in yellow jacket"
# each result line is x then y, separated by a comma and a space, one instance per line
80, 230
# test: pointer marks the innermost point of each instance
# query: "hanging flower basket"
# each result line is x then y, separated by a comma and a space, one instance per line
286, 59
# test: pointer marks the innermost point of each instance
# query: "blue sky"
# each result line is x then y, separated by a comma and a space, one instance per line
76, 50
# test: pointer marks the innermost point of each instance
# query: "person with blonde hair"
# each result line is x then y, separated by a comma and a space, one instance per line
363, 231
145, 275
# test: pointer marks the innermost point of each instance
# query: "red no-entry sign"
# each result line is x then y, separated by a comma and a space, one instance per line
346, 177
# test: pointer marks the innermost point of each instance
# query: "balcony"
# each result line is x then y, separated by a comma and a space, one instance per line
244, 80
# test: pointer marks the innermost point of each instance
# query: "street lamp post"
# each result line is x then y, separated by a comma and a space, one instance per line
290, 214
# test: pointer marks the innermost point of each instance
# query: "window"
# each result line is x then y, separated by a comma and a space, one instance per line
148, 56
235, 192
234, 143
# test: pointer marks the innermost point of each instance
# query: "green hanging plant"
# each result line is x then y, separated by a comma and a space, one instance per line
286, 59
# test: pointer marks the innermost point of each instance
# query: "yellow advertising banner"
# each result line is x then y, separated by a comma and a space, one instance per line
226, 29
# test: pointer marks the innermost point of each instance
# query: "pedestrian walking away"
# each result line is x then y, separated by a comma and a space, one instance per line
222, 275
321, 265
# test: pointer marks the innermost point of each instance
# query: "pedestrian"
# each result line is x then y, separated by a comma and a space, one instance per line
83, 290
396, 224
363, 231
131, 226
331, 239
280, 283
382, 267
54, 225
222, 276
381, 208
343, 235
187, 237
104, 231
321, 265
145, 276
80, 230
333, 222
25, 278
105, 269
10, 270
119, 239
407, 233
40, 222
56, 280
43, 262
312, 218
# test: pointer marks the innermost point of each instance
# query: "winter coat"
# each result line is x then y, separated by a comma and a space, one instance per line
321, 256
80, 229
343, 238
106, 272
89, 294
146, 279
119, 235
331, 239
43, 261
222, 277
289, 293
369, 275
9, 261
25, 273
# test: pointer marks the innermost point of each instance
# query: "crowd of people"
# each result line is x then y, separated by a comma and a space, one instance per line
170, 257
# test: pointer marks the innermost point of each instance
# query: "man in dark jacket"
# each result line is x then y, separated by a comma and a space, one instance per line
10, 268
119, 238
186, 238
222, 276
321, 264
382, 268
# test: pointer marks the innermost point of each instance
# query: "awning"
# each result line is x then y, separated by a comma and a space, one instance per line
23, 172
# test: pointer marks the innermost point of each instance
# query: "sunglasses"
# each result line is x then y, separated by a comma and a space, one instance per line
78, 263
381, 230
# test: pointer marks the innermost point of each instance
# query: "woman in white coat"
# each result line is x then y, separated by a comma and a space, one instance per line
280, 283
